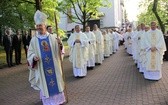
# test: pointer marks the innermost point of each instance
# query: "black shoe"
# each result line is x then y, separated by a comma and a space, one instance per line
9, 65
98, 63
77, 77
12, 65
90, 68
81, 76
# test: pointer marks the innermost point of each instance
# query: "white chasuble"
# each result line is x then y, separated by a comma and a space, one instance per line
91, 49
107, 45
92, 44
154, 38
134, 46
99, 46
37, 76
78, 53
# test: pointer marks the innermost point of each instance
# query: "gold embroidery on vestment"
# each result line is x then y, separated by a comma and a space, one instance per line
52, 83
153, 54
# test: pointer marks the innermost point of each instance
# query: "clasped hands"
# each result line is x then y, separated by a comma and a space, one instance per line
77, 41
153, 49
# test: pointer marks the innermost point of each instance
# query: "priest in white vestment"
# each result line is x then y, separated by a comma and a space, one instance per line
44, 63
99, 45
128, 41
139, 47
155, 48
91, 48
78, 42
143, 51
112, 37
110, 40
134, 44
117, 39
106, 44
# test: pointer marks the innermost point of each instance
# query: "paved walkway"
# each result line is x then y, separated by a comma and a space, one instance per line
115, 82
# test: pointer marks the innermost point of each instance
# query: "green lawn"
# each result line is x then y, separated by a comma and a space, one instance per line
3, 57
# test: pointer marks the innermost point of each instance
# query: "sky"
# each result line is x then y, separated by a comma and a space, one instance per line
132, 9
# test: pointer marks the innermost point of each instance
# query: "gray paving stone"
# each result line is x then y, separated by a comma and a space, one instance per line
115, 82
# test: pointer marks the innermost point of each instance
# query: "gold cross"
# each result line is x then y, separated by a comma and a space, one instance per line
47, 59
52, 83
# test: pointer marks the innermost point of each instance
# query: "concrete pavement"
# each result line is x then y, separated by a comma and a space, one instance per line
115, 82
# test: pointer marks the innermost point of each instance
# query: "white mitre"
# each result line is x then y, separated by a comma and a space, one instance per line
40, 18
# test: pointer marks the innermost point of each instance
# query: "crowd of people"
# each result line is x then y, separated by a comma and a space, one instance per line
147, 46
44, 53
13, 43
89, 48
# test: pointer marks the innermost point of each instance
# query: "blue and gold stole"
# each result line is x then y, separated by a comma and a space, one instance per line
48, 66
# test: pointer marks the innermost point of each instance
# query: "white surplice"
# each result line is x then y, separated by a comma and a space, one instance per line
134, 45
79, 53
142, 53
112, 42
116, 41
139, 49
107, 45
128, 42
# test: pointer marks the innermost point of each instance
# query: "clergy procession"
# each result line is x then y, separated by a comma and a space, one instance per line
84, 52
89, 51
147, 46
45, 55
90, 48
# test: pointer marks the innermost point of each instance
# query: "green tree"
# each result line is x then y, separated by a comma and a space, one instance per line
155, 10
18, 14
81, 11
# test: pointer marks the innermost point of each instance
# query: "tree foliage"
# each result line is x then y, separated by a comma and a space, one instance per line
148, 15
82, 10
16, 14
19, 14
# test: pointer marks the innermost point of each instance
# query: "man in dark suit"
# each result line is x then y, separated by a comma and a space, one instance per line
166, 52
26, 41
7, 43
17, 47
